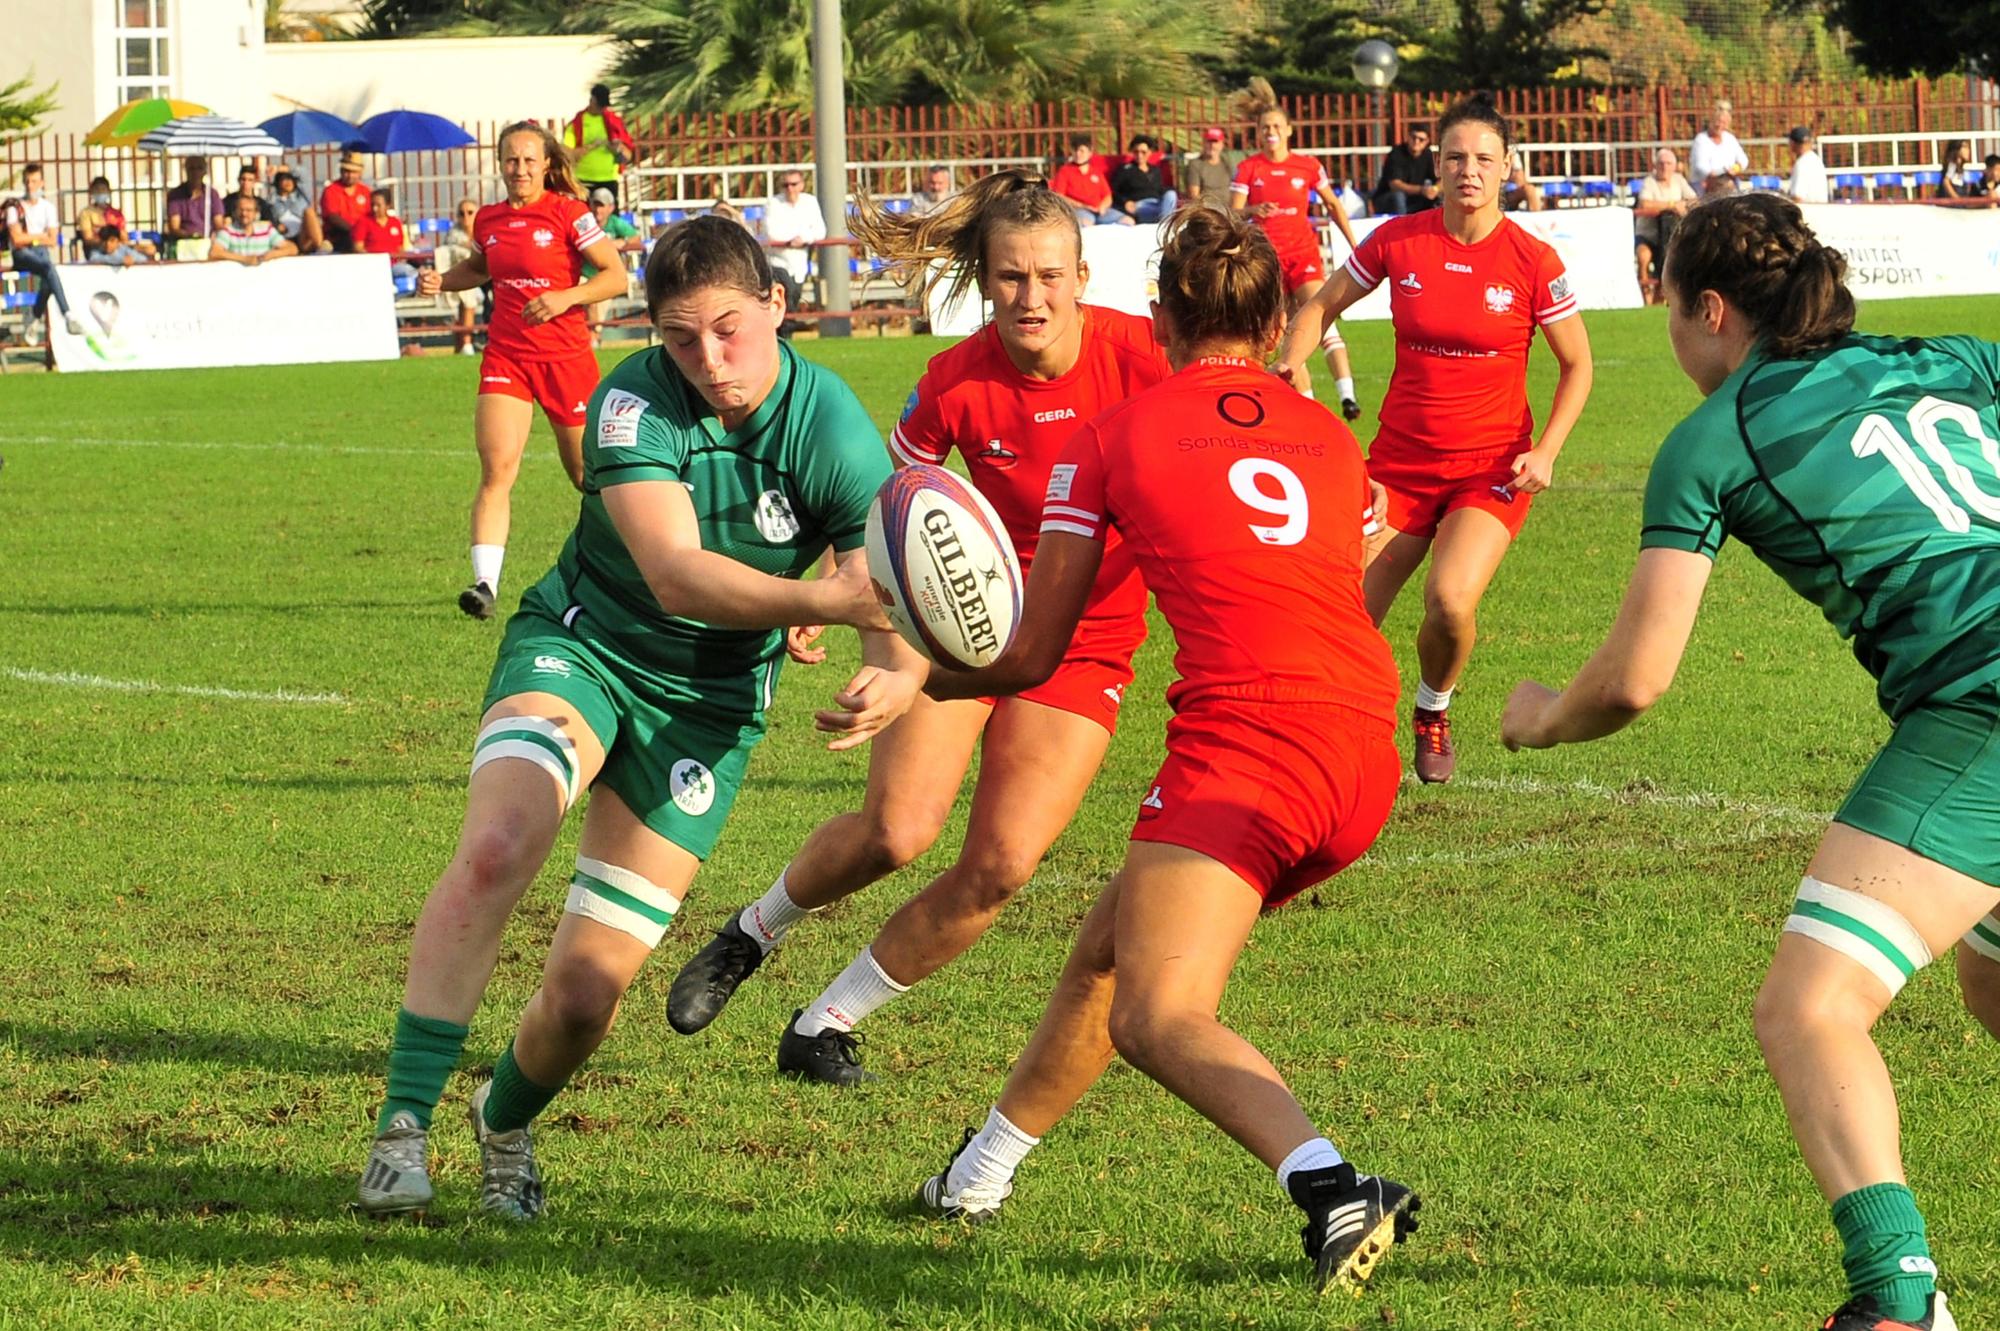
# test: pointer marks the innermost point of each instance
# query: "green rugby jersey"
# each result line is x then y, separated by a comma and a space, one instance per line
1867, 476
795, 477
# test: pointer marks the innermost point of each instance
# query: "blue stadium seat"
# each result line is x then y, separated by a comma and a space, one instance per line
1636, 184
1888, 180
1559, 189
659, 217
753, 212
898, 205
1772, 183
430, 231
1927, 179
677, 214
16, 300
1599, 189
406, 286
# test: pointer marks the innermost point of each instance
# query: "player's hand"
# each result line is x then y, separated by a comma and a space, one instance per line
1430, 191
549, 305
848, 596
1378, 501
1522, 720
1263, 209
1298, 376
799, 640
1534, 470
429, 282
871, 700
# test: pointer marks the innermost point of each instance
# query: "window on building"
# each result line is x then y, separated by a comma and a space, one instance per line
139, 32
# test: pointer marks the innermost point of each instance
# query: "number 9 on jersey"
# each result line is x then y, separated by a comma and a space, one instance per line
943, 567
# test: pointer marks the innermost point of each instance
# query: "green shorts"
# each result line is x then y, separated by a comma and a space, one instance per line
1935, 786
674, 759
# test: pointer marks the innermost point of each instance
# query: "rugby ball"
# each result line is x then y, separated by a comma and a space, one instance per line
943, 567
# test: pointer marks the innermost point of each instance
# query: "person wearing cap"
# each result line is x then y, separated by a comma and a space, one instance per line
616, 227
344, 203
1807, 183
601, 144
1207, 175
294, 213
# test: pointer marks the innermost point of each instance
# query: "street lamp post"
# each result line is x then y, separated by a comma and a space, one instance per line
1375, 68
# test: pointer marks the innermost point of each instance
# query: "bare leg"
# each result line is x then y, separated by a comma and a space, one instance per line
1979, 983
500, 430
1392, 557
1071, 1045
1468, 549
569, 448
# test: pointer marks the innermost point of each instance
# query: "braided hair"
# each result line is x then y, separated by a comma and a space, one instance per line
1757, 253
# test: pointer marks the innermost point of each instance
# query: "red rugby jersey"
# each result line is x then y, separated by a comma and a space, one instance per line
529, 251
1244, 506
1291, 185
1465, 316
1010, 428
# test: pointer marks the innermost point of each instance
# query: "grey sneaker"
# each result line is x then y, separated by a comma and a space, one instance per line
975, 1203
395, 1182
509, 1184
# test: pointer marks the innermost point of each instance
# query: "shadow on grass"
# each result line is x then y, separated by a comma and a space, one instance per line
147, 1042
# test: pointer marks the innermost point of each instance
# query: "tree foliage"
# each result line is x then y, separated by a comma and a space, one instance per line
1899, 37
23, 106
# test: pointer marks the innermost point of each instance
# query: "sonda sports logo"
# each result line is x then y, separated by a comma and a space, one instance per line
957, 586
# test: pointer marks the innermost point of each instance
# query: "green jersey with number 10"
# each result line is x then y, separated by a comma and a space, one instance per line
1868, 476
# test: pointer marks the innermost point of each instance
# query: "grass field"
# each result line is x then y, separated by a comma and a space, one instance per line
1531, 1001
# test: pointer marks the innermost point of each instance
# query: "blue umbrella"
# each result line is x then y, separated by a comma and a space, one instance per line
303, 129
410, 131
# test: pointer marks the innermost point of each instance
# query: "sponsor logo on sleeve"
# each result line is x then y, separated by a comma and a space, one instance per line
618, 419
584, 224
1062, 479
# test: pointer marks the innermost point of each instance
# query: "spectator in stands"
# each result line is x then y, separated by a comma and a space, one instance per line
1082, 182
1408, 183
381, 232
297, 219
458, 246
1990, 185
1352, 201
616, 228
110, 248
600, 144
1207, 175
937, 189
1807, 183
192, 208
100, 213
1716, 161
247, 183
248, 239
728, 212
1664, 199
34, 231
1954, 181
1139, 185
1521, 195
343, 203
793, 221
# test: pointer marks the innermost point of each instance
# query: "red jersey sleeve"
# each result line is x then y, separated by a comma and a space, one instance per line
1245, 172
1074, 504
1553, 300
583, 228
1367, 264
920, 436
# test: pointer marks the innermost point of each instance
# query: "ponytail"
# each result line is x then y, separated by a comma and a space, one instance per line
948, 245
1220, 280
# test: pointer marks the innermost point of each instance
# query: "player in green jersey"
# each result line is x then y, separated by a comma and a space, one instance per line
1866, 472
717, 470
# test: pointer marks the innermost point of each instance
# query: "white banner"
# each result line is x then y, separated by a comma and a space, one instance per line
1899, 249
1595, 245
171, 316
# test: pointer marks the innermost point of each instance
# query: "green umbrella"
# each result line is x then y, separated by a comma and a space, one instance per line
131, 122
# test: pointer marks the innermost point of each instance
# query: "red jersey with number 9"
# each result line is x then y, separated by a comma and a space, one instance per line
1245, 506
1290, 185
530, 251
1465, 316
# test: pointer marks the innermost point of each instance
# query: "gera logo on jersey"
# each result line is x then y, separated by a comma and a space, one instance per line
1055, 414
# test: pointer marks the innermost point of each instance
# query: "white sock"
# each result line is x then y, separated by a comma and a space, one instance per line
991, 1157
1319, 1153
486, 560
767, 918
1346, 387
1430, 699
854, 993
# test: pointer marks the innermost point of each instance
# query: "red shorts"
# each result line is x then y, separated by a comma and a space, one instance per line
1301, 264
1083, 686
1425, 484
1286, 795
562, 388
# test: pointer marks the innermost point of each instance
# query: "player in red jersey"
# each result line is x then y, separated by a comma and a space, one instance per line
1244, 506
1277, 187
1456, 451
1006, 400
531, 248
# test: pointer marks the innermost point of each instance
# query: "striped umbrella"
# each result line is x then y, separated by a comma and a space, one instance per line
130, 122
210, 136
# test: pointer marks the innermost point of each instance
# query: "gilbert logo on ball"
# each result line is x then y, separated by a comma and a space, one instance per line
943, 567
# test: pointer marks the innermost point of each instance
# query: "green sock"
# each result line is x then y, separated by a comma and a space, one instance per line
1886, 1253
514, 1100
420, 1063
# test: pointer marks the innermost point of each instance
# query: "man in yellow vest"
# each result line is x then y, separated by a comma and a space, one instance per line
602, 145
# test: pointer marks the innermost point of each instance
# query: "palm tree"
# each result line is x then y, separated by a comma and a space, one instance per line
22, 106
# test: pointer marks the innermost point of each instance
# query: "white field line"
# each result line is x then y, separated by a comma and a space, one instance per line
1691, 799
264, 446
74, 680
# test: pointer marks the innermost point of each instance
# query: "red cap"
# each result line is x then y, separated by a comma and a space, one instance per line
1213, 134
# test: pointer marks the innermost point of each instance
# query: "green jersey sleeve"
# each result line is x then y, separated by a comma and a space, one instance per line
627, 439
1981, 356
844, 464
1685, 490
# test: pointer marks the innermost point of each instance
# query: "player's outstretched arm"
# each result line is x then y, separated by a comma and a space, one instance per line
891, 676
1629, 672
466, 274
1058, 587
1330, 196
656, 520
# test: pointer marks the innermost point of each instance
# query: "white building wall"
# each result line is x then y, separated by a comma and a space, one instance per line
462, 78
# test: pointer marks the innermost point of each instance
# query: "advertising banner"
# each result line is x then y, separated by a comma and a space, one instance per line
1895, 250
